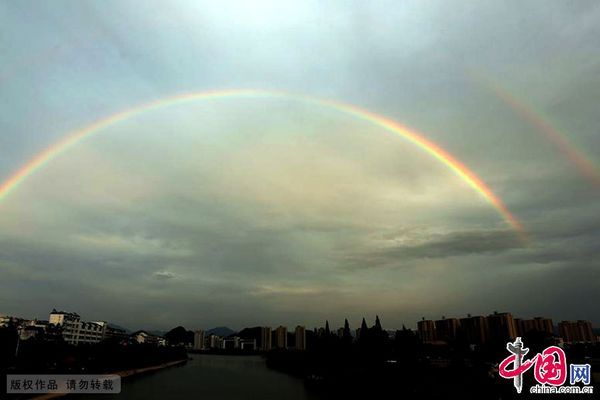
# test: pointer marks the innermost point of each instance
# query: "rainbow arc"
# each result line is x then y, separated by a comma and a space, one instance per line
443, 156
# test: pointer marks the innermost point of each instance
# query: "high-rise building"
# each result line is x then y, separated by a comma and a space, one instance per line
576, 331
300, 335
281, 337
446, 328
265, 338
502, 327
542, 324
537, 324
426, 330
475, 329
199, 340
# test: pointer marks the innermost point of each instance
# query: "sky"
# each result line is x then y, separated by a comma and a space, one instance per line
267, 210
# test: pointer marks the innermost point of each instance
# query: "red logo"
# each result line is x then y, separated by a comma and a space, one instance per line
550, 366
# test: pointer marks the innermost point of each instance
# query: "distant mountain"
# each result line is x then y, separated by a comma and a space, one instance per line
220, 331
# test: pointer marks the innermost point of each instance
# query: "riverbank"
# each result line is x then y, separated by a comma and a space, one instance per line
123, 374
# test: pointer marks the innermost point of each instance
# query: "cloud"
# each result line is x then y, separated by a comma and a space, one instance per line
398, 250
271, 211
164, 275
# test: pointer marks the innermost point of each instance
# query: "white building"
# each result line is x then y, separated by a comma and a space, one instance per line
199, 340
147, 338
215, 342
75, 331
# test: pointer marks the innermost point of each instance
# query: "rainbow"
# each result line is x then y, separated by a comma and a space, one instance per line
389, 125
578, 160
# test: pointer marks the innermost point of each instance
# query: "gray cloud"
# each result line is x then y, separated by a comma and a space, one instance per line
248, 211
445, 245
164, 275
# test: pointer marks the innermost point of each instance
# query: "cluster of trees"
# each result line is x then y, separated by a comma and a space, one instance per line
371, 344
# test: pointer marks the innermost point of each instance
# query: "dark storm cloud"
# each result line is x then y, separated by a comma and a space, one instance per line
454, 244
460, 243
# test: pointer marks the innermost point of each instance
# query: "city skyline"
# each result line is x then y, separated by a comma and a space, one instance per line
520, 323
399, 166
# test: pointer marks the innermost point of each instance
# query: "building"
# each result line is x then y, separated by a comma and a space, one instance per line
114, 332
143, 337
75, 331
475, 329
501, 327
215, 342
28, 332
537, 324
231, 343
199, 340
576, 331
265, 338
446, 329
542, 324
300, 338
38, 329
7, 320
248, 344
281, 337
426, 331
69, 322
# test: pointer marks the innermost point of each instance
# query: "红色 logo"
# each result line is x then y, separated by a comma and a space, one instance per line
549, 370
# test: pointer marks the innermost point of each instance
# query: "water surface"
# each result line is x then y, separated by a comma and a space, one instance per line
213, 377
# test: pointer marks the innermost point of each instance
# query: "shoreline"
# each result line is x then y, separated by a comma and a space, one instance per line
227, 353
124, 374
140, 371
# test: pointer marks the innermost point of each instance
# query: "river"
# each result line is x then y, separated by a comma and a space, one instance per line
213, 377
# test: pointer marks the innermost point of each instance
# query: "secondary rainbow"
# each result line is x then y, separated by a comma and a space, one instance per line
576, 157
388, 124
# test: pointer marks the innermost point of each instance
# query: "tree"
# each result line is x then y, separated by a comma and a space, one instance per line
377, 326
346, 333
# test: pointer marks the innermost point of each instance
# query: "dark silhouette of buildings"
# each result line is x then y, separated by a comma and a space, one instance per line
576, 331
497, 328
